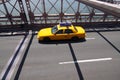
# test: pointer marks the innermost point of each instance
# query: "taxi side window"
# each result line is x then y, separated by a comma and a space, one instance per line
59, 32
68, 31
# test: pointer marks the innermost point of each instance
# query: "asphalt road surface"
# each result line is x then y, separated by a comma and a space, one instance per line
97, 58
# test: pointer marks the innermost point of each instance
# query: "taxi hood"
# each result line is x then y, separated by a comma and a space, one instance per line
45, 32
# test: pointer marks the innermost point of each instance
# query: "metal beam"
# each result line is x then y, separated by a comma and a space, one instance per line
8, 15
108, 8
22, 14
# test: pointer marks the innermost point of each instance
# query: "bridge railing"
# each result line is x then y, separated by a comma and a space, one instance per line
35, 14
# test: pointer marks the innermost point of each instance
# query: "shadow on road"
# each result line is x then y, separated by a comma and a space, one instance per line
13, 59
108, 42
62, 41
71, 50
23, 59
76, 64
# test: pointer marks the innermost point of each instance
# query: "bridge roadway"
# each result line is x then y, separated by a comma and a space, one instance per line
97, 58
108, 8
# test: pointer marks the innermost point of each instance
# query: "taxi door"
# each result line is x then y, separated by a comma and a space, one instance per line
69, 33
60, 35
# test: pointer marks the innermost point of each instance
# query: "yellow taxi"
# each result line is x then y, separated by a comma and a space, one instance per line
62, 31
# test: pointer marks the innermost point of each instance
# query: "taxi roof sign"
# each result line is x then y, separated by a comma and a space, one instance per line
65, 24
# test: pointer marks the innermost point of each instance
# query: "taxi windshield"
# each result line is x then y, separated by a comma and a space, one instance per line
54, 29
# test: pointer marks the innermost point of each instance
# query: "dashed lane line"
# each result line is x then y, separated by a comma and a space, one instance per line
89, 38
85, 61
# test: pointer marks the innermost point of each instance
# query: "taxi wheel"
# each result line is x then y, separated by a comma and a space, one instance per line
46, 39
39, 41
75, 38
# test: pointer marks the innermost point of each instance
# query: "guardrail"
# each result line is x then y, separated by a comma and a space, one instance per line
28, 14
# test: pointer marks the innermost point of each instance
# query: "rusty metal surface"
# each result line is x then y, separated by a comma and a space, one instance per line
29, 14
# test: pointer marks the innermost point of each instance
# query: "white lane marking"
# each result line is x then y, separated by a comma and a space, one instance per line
9, 61
89, 38
16, 60
84, 61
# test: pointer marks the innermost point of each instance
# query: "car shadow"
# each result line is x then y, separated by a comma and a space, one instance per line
62, 41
